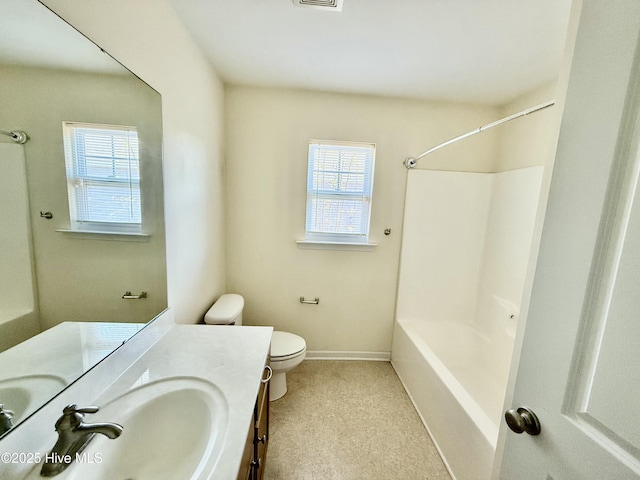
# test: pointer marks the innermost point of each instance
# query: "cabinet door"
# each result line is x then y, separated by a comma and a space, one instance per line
255, 450
246, 469
261, 426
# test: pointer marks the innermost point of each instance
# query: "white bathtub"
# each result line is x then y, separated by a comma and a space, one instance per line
465, 245
445, 367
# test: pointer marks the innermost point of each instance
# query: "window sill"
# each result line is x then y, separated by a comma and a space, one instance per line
316, 245
102, 235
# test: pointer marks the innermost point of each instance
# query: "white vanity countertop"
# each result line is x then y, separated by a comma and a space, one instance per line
230, 357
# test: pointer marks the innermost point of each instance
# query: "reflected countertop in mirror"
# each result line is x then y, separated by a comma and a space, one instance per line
38, 368
51, 280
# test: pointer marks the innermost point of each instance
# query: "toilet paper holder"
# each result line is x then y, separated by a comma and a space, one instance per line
315, 301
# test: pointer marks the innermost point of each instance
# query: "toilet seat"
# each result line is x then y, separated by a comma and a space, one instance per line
285, 345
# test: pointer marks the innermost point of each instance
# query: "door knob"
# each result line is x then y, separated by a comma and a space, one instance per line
522, 420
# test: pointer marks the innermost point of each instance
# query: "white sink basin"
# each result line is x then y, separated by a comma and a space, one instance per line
24, 395
173, 428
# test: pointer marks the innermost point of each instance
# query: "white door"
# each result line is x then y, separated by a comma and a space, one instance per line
579, 371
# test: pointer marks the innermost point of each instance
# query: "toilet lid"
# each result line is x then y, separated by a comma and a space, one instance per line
285, 343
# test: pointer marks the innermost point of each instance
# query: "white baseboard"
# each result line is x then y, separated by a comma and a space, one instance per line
340, 355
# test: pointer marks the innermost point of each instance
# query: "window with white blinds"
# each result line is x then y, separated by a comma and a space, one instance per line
339, 188
103, 177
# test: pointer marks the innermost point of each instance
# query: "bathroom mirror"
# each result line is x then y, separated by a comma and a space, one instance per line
58, 286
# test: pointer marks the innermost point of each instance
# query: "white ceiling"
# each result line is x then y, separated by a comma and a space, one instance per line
486, 51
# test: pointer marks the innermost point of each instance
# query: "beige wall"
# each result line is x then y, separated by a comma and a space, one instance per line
267, 133
529, 141
147, 37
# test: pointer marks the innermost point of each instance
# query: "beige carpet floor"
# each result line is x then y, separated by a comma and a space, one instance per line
348, 420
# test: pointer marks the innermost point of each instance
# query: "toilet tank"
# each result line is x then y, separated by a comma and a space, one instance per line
227, 310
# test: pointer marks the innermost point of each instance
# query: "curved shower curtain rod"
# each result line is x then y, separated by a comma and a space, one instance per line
17, 136
411, 162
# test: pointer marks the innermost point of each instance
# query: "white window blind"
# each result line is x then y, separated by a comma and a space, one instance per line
339, 188
103, 176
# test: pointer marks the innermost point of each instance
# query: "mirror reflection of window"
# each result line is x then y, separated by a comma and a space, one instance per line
103, 177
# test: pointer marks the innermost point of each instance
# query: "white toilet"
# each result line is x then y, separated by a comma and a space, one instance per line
287, 350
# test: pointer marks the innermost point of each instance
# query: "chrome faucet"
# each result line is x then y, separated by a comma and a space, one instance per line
5, 419
73, 436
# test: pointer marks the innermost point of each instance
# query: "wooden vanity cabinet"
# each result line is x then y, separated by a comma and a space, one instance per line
255, 450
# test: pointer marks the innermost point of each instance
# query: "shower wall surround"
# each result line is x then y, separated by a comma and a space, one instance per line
465, 252
18, 318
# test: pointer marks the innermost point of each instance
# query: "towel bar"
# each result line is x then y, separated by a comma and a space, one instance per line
316, 301
127, 296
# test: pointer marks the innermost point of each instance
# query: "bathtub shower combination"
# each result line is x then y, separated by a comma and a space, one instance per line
465, 250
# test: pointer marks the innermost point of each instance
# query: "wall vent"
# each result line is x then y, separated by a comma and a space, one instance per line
332, 5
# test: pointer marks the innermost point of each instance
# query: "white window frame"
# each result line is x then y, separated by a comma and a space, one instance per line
81, 214
343, 185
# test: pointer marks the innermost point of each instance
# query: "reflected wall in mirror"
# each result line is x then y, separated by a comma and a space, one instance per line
50, 74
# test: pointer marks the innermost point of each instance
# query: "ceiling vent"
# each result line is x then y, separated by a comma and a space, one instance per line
332, 5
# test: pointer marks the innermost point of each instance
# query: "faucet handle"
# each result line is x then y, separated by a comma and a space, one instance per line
5, 411
5, 419
73, 408
72, 416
